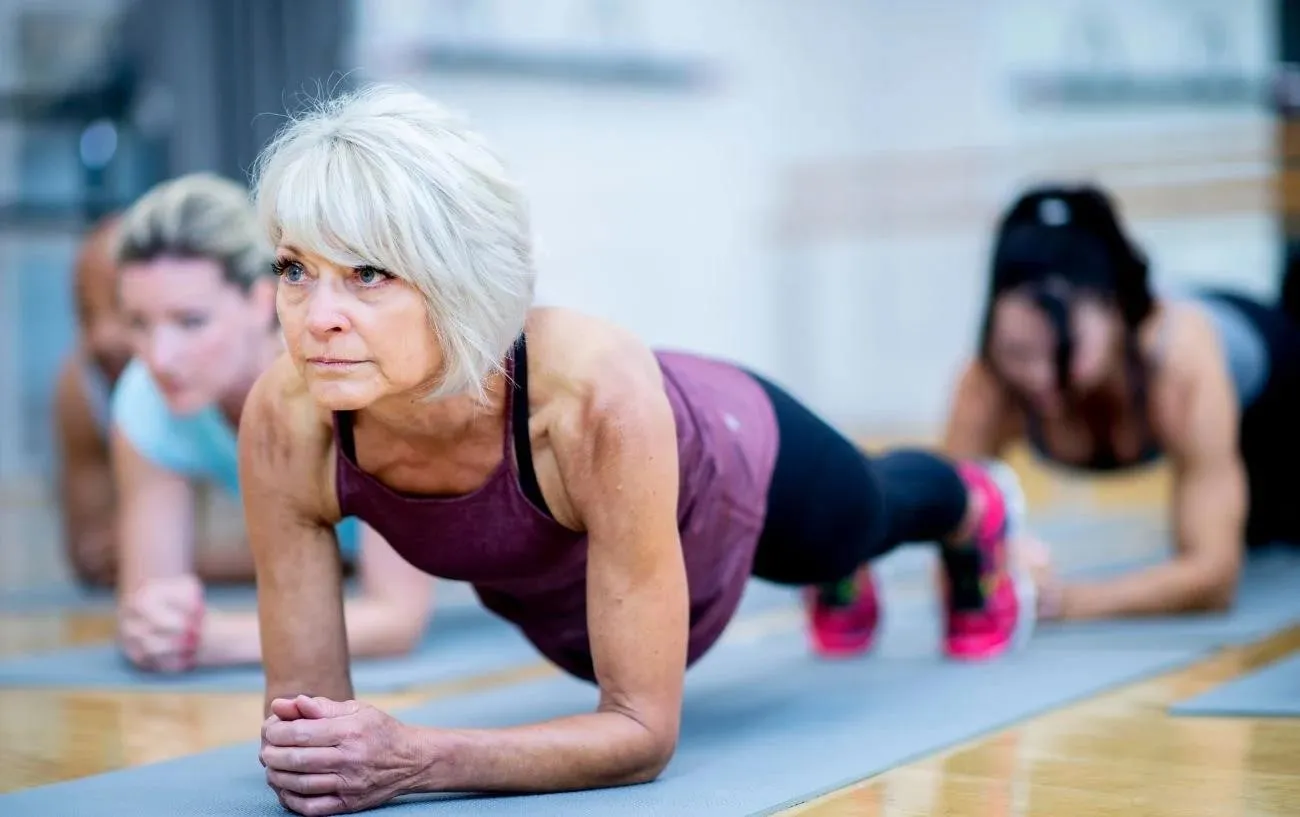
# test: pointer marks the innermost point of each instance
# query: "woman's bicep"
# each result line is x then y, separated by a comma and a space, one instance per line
1201, 419
156, 518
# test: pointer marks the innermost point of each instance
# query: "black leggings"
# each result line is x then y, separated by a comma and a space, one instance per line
831, 508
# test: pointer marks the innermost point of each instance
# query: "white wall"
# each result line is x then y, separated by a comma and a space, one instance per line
893, 304
649, 203
670, 210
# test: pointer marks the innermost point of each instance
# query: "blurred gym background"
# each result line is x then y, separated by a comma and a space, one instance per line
807, 186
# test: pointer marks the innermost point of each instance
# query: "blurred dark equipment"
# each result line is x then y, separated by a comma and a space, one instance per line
160, 88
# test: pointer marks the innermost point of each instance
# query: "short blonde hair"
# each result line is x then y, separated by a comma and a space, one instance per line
197, 216
386, 177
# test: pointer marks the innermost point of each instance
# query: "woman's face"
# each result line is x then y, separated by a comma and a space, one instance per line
1023, 342
199, 335
357, 335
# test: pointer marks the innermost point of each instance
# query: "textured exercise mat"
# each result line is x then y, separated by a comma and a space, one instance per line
765, 726
463, 640
1272, 691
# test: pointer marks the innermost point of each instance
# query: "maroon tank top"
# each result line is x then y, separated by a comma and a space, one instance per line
530, 570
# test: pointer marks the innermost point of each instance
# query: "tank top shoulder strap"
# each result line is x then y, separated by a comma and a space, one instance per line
517, 432
516, 435
343, 435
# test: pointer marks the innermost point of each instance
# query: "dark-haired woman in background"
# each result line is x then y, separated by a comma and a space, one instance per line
1079, 358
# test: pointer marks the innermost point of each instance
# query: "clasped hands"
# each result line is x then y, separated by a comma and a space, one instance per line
160, 624
329, 757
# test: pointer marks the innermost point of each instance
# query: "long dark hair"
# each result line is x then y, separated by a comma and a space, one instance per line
1057, 242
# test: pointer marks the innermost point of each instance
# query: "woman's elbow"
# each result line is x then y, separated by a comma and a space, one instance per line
660, 755
1216, 588
1219, 598
655, 756
652, 748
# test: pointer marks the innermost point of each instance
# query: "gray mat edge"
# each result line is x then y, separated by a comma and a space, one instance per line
1191, 657
1190, 708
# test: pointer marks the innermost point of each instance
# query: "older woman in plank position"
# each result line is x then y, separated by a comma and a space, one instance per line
609, 500
196, 291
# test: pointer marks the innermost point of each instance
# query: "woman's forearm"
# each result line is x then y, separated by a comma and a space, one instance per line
228, 639
588, 751
1179, 586
375, 629
382, 627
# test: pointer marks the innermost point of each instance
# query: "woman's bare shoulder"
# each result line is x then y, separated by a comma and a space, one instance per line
1190, 350
576, 355
1191, 366
283, 431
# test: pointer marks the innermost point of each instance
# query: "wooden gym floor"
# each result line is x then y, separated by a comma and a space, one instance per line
1115, 754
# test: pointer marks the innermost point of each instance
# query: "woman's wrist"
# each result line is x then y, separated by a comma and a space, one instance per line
1051, 601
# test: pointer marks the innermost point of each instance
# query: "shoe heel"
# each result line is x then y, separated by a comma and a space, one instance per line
1013, 497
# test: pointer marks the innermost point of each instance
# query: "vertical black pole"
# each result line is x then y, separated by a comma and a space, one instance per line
1287, 44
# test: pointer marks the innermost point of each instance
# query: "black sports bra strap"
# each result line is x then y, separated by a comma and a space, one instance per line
519, 426
343, 421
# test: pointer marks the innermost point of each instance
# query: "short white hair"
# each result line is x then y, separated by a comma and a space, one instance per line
386, 177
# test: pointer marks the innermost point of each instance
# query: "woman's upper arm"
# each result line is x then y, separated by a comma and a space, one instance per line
294, 545
155, 518
617, 454
1201, 416
981, 421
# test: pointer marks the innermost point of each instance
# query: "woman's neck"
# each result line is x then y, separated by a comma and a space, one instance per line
413, 417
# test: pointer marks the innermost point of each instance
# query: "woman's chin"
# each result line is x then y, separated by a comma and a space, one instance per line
184, 402
335, 395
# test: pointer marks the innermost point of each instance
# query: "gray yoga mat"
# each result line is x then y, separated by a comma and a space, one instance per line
463, 640
1272, 691
765, 727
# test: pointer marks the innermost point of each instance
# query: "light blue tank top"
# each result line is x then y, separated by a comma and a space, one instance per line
203, 446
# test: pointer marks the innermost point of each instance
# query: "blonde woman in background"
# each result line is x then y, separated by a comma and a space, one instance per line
197, 294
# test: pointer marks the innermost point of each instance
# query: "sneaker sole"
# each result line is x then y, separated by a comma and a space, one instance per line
1017, 509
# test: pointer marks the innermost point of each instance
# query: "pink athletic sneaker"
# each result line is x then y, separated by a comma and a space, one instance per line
842, 618
987, 618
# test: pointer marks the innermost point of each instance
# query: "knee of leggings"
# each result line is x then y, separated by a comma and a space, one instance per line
828, 545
